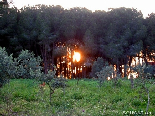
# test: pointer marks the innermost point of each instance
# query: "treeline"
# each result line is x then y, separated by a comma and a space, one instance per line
117, 35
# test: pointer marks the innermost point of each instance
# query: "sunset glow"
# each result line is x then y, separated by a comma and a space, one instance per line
76, 57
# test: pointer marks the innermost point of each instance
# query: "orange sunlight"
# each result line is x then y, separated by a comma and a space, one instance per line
76, 57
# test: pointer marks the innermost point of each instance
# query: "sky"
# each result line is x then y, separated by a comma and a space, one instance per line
146, 6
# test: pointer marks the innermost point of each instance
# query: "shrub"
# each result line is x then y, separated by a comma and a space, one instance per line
53, 81
117, 80
97, 66
106, 72
7, 66
28, 65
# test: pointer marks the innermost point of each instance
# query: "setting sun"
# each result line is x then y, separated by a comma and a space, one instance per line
76, 57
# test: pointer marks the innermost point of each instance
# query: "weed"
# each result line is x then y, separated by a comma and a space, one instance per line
24, 98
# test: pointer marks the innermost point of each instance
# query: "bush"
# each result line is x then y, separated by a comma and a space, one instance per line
97, 66
28, 65
53, 81
7, 66
106, 72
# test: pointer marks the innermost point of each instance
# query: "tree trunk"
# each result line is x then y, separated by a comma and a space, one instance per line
132, 82
125, 66
65, 66
52, 55
43, 53
148, 101
45, 60
60, 66
72, 64
51, 92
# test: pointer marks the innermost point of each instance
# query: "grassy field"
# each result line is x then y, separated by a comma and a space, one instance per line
24, 97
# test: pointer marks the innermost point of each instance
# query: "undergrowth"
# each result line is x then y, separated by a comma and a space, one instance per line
24, 97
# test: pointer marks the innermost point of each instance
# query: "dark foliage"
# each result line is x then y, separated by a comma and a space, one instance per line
117, 35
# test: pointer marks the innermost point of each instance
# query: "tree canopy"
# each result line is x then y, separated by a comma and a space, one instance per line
116, 35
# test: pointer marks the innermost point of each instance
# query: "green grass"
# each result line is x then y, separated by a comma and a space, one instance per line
24, 97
